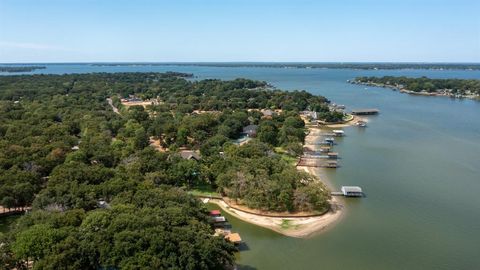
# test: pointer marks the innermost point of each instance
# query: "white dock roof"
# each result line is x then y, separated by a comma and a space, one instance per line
351, 189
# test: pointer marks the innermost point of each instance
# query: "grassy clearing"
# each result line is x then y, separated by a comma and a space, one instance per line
204, 191
286, 224
348, 117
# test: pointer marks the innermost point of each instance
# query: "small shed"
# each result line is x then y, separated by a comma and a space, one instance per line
352, 191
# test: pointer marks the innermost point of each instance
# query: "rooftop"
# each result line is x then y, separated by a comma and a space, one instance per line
234, 237
250, 128
190, 154
215, 212
351, 189
365, 111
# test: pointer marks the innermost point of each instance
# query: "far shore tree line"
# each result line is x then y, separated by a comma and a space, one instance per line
456, 86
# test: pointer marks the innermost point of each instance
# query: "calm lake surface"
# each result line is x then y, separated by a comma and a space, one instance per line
418, 162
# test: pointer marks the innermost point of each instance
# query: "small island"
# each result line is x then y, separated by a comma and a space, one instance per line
13, 69
455, 88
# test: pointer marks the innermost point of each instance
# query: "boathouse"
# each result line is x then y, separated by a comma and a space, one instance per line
234, 238
189, 154
352, 191
332, 155
338, 132
219, 219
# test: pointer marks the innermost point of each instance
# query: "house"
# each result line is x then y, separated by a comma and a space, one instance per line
352, 191
311, 114
250, 130
190, 154
267, 113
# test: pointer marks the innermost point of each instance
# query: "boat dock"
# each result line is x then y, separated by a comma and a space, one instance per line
349, 191
317, 162
223, 228
365, 111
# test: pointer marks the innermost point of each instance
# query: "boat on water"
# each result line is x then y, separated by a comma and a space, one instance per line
361, 124
329, 140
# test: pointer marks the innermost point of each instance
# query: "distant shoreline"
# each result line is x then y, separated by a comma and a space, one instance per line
293, 65
19, 68
309, 65
436, 93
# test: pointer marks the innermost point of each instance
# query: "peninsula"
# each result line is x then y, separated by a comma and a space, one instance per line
80, 149
14, 68
455, 88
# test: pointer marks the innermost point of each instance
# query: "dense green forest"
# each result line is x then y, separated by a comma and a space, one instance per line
101, 197
456, 86
367, 66
20, 68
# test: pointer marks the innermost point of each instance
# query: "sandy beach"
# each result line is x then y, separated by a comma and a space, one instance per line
295, 227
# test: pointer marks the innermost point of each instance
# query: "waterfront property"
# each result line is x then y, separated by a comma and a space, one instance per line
365, 111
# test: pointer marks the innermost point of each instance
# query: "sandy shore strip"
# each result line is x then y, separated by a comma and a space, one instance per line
295, 227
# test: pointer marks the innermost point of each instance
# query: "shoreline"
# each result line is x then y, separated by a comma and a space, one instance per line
420, 93
299, 227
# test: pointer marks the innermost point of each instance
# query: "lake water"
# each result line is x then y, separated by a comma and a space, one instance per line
418, 162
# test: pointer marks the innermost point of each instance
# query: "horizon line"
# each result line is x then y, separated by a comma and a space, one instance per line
238, 62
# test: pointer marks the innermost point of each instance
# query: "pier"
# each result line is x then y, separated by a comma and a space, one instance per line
319, 162
365, 111
223, 228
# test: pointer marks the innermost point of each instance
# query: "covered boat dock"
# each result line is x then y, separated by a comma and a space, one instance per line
365, 111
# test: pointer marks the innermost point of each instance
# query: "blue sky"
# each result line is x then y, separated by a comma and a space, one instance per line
239, 30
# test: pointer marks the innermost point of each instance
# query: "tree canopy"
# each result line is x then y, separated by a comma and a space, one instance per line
103, 198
